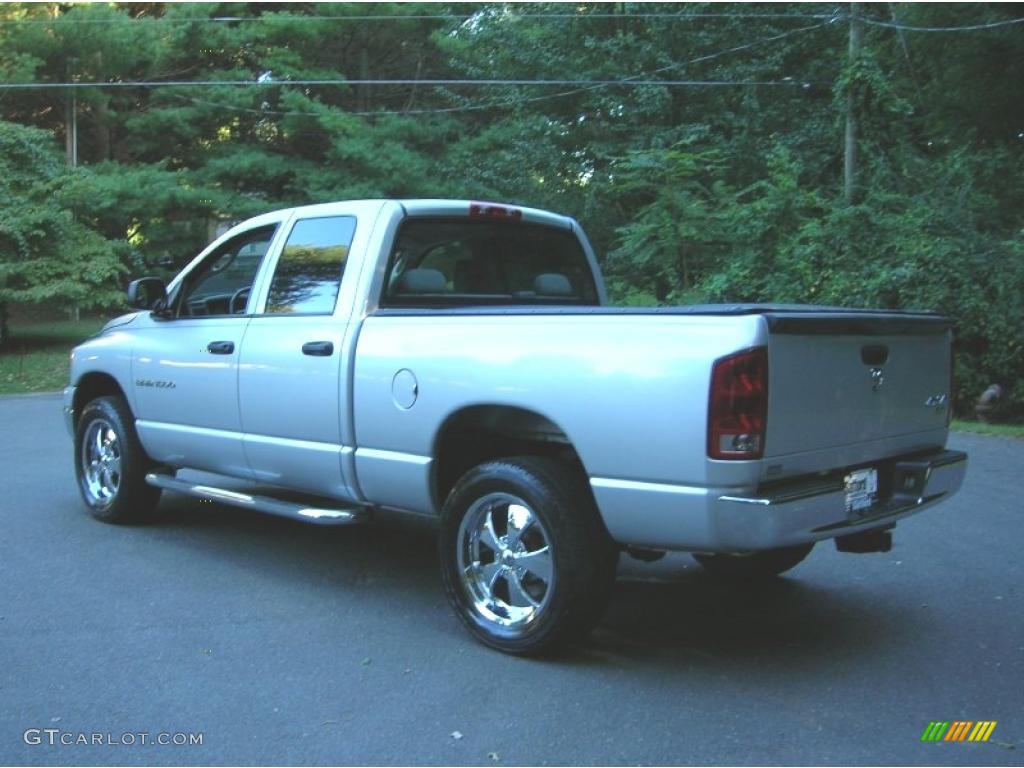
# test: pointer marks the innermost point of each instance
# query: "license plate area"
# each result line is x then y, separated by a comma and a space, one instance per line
861, 491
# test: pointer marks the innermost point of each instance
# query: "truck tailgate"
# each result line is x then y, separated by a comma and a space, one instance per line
876, 379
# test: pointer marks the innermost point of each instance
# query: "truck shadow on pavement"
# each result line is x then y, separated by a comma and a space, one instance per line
395, 550
698, 619
670, 613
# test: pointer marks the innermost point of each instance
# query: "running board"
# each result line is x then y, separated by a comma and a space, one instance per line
293, 510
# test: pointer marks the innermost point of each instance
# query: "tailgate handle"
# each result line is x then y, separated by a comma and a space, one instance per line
874, 354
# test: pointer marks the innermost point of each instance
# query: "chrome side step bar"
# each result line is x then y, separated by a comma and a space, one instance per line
291, 509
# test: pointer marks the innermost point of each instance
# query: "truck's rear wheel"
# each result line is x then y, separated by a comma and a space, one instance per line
770, 562
525, 558
110, 464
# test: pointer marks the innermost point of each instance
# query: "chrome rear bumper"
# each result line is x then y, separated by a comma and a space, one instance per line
795, 514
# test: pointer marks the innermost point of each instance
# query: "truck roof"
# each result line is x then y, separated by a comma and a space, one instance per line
447, 207
484, 209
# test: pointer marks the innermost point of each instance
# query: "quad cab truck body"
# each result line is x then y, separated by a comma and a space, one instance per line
458, 359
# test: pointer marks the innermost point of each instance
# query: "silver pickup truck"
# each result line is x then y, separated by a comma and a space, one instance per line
458, 359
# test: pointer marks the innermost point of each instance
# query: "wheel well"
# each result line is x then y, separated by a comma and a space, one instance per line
484, 432
94, 385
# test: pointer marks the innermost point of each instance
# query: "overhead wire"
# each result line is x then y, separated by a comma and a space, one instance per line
285, 17
517, 102
577, 86
459, 82
966, 28
449, 83
277, 16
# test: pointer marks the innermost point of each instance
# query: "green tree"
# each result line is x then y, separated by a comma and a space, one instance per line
723, 186
675, 236
45, 253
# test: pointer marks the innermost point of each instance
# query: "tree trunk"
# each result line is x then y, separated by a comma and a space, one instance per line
102, 115
5, 332
412, 91
684, 264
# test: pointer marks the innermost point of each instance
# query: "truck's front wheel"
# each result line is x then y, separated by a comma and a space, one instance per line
110, 463
525, 558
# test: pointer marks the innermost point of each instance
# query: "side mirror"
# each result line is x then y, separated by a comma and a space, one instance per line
146, 292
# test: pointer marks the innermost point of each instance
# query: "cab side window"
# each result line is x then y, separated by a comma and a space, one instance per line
309, 271
221, 284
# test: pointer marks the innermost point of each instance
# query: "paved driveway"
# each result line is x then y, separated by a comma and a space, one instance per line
282, 643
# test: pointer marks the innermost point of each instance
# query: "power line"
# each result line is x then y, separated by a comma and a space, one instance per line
392, 82
515, 102
424, 17
673, 66
533, 99
284, 17
966, 28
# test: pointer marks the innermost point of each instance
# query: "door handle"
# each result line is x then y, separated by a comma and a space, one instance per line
220, 347
318, 348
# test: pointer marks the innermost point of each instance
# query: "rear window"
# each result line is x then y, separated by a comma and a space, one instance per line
463, 262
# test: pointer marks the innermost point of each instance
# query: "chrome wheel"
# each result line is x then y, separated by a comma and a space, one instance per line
525, 559
110, 463
101, 462
505, 562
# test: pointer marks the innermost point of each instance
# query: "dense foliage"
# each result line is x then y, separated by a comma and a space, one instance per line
45, 252
714, 173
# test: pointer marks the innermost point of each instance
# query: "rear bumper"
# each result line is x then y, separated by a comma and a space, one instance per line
694, 519
810, 512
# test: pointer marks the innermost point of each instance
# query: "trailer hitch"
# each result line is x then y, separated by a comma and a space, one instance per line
876, 540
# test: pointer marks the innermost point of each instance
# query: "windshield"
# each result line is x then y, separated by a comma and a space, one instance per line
463, 262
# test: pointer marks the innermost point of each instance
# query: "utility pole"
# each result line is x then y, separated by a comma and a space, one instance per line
850, 155
71, 143
71, 121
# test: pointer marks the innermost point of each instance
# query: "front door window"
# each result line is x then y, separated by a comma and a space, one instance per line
221, 285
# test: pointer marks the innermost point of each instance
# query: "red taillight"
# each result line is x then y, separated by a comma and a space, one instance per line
501, 212
738, 408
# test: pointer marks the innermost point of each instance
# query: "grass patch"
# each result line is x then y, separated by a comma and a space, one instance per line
997, 430
37, 357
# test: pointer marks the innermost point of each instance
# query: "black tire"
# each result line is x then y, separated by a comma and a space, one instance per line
561, 519
110, 464
767, 563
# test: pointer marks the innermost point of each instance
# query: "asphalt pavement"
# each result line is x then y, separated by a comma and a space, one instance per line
287, 644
